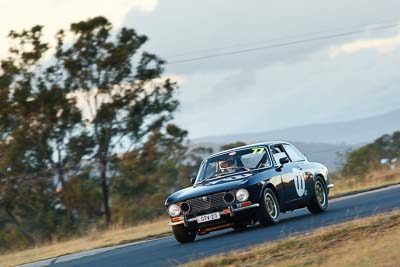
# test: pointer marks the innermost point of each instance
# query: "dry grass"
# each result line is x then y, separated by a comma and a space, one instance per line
117, 236
374, 179
94, 239
373, 241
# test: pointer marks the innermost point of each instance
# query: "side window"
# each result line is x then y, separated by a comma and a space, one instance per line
256, 159
294, 154
278, 152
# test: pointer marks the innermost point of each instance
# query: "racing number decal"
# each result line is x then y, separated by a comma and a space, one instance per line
258, 150
299, 182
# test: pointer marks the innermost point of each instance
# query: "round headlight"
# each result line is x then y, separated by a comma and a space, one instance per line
174, 210
242, 195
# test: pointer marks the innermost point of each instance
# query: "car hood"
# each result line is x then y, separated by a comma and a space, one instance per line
211, 187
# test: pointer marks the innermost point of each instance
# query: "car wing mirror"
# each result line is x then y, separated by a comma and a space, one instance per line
283, 161
192, 180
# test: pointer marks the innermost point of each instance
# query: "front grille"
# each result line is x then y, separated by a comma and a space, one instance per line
210, 202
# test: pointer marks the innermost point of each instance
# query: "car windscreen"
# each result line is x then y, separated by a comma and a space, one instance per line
234, 162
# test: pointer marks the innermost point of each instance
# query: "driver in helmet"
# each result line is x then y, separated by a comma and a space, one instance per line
226, 166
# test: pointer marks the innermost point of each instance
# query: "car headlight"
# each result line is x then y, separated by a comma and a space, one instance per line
174, 210
242, 195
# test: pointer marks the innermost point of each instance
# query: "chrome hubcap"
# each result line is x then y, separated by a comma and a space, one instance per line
320, 193
270, 205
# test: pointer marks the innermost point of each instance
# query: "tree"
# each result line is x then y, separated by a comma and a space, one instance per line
25, 192
232, 145
44, 123
125, 101
147, 174
363, 159
67, 120
151, 172
192, 163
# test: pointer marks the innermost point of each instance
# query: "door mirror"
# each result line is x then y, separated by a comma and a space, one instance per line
192, 180
283, 161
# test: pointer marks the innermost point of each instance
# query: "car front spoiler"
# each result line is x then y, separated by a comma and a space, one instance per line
330, 185
232, 210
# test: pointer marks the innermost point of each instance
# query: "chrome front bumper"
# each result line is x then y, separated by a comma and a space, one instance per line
232, 211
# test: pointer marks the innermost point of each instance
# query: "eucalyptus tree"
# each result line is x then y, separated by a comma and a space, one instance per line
95, 95
40, 125
120, 88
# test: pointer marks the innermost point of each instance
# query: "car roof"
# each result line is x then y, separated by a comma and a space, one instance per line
268, 143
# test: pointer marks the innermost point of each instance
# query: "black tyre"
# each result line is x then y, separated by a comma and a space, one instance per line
319, 200
182, 234
268, 212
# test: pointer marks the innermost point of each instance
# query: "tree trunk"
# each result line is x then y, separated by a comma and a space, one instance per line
104, 188
63, 193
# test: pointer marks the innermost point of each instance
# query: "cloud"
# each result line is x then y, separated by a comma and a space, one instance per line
262, 90
318, 89
382, 45
272, 88
55, 15
181, 29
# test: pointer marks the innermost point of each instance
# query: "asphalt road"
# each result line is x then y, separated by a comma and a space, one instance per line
167, 252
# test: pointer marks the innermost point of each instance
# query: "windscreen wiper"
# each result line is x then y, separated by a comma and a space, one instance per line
212, 178
225, 175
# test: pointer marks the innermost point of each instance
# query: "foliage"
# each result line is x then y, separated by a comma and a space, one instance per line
126, 104
37, 121
361, 160
232, 145
89, 113
148, 174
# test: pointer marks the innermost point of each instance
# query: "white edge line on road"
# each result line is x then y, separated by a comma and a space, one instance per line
365, 193
82, 254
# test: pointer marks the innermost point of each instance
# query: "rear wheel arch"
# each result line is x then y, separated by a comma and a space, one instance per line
320, 176
314, 205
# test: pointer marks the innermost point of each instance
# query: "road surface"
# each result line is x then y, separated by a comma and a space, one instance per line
167, 252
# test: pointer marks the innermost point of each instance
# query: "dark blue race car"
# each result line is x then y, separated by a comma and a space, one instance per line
240, 186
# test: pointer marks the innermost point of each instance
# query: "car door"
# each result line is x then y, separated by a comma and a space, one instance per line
302, 180
286, 172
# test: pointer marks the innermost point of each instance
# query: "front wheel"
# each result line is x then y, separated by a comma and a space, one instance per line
268, 212
182, 234
319, 200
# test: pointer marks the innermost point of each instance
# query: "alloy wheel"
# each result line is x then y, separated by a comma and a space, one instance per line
320, 193
271, 205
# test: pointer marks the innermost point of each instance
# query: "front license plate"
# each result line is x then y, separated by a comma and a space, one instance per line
208, 217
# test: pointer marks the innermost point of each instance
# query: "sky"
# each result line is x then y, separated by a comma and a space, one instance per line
289, 82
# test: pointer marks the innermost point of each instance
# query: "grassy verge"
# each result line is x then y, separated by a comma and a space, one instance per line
97, 239
373, 241
374, 180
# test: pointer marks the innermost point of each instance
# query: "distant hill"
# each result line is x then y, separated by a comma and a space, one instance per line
320, 142
349, 132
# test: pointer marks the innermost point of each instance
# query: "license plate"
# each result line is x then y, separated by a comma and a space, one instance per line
208, 217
